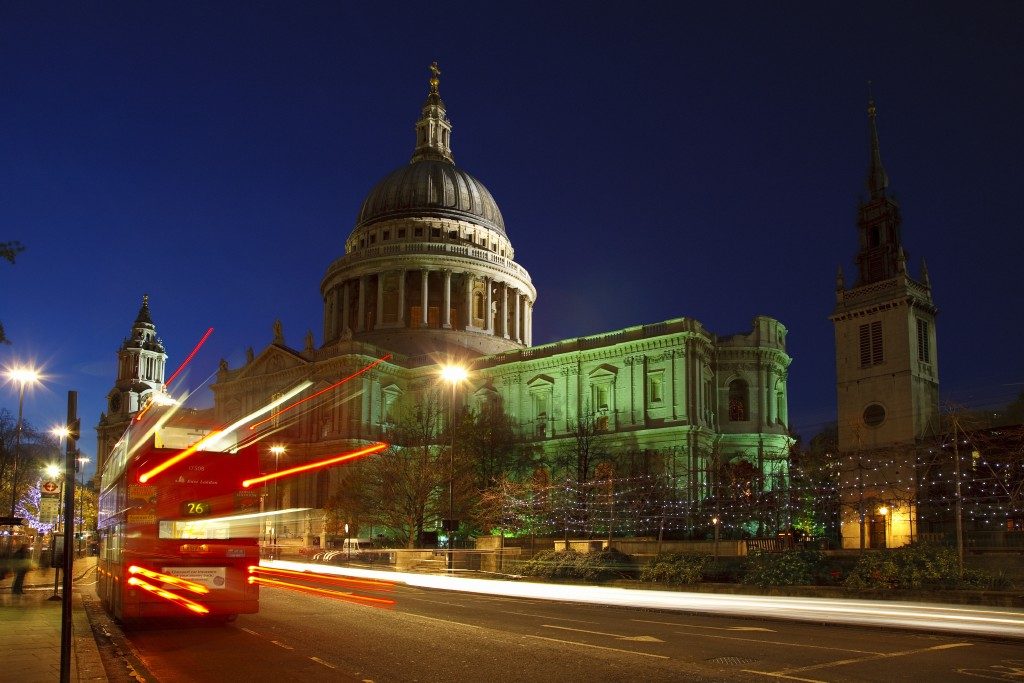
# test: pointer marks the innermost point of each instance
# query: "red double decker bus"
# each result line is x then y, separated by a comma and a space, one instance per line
177, 543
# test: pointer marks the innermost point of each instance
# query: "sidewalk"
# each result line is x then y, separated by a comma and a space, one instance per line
31, 627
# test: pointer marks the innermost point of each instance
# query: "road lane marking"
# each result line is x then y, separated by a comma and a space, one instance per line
597, 647
436, 602
785, 673
641, 639
446, 621
320, 661
778, 642
282, 645
249, 630
715, 628
545, 616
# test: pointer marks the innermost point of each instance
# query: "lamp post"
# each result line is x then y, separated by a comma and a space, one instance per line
23, 376
81, 501
453, 375
54, 471
277, 451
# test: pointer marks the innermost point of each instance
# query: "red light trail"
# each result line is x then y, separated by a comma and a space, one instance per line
364, 600
175, 581
189, 357
146, 476
344, 581
322, 391
178, 600
376, 448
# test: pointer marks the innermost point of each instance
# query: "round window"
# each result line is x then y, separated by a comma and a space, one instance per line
874, 415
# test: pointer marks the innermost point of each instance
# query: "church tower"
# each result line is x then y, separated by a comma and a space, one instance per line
886, 364
140, 371
887, 373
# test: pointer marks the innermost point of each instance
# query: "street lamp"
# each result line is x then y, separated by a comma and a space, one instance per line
23, 376
453, 375
54, 471
81, 501
277, 451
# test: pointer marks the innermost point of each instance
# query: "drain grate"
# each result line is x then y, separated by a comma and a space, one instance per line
732, 660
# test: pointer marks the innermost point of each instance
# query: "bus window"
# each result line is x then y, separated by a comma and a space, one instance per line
208, 529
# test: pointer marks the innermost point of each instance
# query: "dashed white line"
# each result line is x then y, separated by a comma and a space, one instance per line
320, 661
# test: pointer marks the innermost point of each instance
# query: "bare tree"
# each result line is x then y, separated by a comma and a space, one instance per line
402, 484
8, 252
578, 454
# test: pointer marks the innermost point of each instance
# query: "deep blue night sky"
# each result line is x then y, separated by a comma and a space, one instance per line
651, 160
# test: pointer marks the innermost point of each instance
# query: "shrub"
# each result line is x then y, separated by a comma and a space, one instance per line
676, 569
789, 568
600, 566
918, 565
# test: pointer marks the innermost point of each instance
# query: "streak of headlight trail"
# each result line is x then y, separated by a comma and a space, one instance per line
213, 437
331, 579
1003, 623
364, 600
333, 460
189, 358
174, 598
324, 390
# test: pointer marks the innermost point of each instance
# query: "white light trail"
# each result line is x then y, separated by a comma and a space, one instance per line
983, 621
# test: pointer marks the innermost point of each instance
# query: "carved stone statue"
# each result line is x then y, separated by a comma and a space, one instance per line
249, 355
309, 340
278, 332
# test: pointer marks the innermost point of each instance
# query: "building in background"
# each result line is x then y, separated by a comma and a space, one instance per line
141, 362
429, 276
887, 373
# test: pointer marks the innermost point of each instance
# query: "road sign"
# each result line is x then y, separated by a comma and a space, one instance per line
49, 506
49, 487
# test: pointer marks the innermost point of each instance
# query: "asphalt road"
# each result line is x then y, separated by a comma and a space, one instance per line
433, 635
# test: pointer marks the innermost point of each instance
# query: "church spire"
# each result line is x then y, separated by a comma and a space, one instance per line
881, 253
877, 178
433, 130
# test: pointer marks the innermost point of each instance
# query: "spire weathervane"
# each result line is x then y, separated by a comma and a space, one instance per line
878, 180
433, 130
435, 78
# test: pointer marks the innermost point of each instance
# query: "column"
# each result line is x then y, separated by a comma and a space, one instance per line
361, 310
504, 310
425, 276
401, 298
330, 316
528, 323
770, 395
469, 301
488, 317
519, 332
446, 312
344, 309
379, 319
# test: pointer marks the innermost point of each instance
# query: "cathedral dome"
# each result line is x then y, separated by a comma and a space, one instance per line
431, 187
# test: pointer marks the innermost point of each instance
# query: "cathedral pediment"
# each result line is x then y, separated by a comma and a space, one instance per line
272, 359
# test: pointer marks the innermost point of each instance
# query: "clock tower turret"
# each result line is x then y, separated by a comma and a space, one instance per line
141, 363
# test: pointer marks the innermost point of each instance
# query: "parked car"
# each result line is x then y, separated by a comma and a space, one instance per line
359, 549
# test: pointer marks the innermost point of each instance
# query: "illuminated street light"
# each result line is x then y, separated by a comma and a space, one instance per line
23, 376
453, 375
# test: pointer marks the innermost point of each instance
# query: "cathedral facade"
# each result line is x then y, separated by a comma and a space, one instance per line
429, 276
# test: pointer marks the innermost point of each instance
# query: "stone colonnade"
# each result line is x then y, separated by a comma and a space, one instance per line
387, 304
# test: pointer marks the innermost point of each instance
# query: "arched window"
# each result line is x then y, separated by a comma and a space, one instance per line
739, 400
478, 305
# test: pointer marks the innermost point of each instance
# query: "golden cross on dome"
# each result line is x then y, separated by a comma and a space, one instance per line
435, 73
